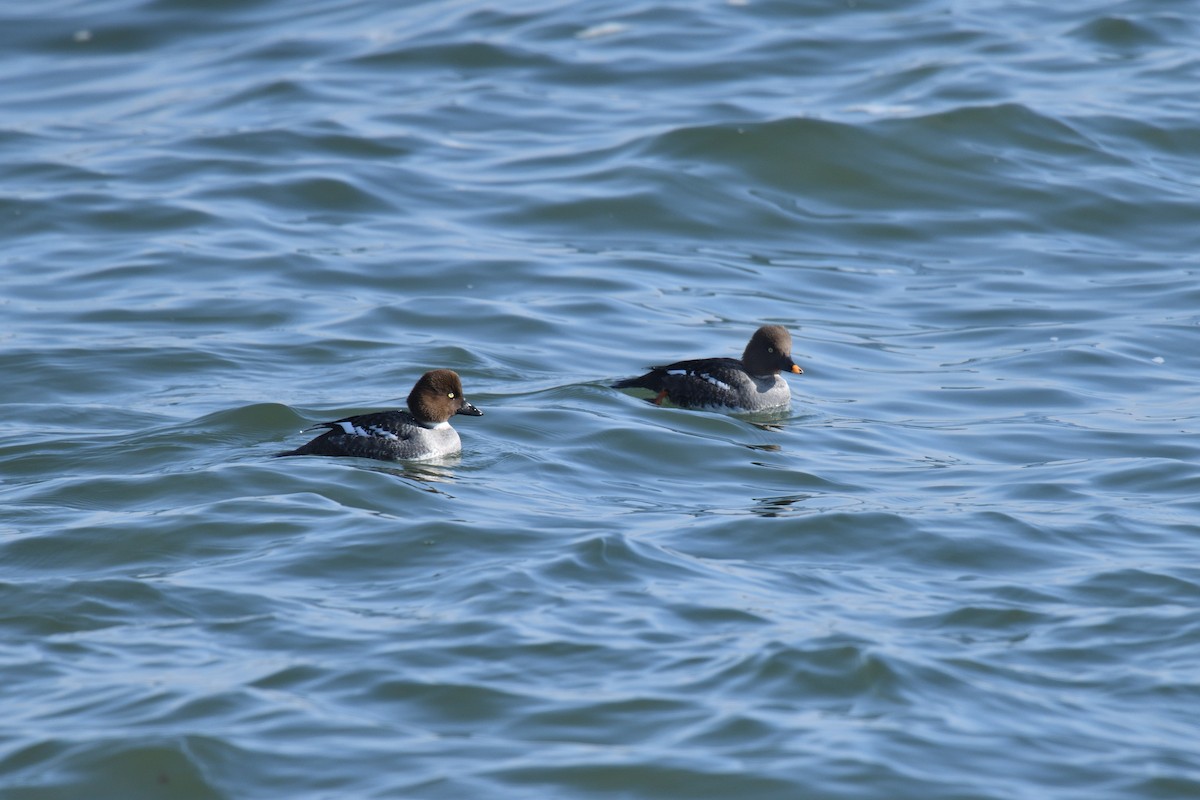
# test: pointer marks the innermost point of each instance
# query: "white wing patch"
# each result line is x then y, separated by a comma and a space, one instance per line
354, 430
704, 376
722, 385
384, 432
719, 384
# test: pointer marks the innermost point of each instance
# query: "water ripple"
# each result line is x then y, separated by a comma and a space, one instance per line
959, 566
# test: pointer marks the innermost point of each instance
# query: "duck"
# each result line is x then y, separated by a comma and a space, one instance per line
420, 433
750, 384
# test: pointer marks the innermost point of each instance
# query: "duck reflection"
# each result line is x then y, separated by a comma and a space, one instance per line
782, 506
422, 475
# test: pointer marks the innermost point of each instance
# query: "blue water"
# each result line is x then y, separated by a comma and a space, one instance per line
965, 564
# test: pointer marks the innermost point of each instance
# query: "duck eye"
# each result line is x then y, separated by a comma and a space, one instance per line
770, 349
451, 394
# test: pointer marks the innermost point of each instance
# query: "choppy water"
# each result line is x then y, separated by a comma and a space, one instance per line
964, 566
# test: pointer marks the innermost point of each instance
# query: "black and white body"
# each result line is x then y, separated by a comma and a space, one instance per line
749, 384
423, 432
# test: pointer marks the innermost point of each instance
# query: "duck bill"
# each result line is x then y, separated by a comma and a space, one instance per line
796, 369
469, 410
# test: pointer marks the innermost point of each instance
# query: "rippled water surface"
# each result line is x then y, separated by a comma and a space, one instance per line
966, 564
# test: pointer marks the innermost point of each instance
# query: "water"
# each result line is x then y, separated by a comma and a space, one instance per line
962, 566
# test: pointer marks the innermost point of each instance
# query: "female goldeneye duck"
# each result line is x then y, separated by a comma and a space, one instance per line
752, 383
421, 432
